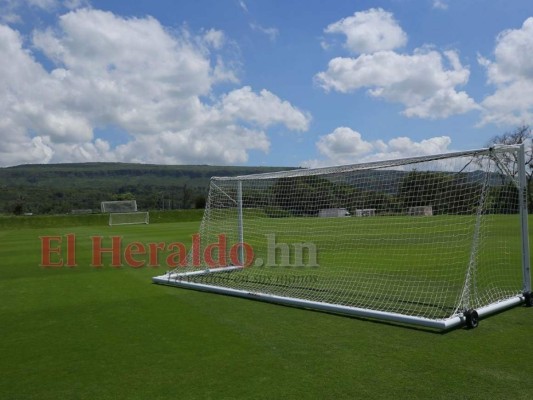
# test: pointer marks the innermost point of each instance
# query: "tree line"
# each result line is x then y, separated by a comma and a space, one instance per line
62, 188
446, 193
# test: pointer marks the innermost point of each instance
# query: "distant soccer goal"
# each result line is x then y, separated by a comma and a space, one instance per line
420, 211
365, 212
139, 217
124, 212
333, 212
470, 259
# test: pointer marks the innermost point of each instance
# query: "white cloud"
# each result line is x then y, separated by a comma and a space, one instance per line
422, 82
21, 77
425, 82
108, 50
405, 147
343, 144
440, 5
214, 38
272, 33
511, 73
74, 4
26, 152
243, 5
84, 152
346, 146
10, 18
443, 103
135, 75
264, 109
206, 144
8, 12
370, 31
11, 10
44, 4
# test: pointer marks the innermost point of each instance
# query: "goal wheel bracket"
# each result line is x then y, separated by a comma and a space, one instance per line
471, 318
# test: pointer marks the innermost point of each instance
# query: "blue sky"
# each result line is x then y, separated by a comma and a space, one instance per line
249, 82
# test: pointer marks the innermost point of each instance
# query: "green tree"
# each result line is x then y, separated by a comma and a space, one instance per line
17, 209
521, 134
199, 201
304, 195
446, 193
186, 198
124, 196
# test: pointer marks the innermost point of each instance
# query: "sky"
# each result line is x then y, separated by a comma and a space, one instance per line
259, 82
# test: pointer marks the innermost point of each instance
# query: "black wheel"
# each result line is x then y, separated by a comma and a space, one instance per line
528, 299
471, 319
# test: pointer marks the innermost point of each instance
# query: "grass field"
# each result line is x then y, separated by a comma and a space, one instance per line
108, 333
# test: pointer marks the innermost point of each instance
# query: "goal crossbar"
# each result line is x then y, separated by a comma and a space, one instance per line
370, 165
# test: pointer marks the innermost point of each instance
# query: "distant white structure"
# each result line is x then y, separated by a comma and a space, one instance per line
124, 212
333, 213
365, 212
420, 211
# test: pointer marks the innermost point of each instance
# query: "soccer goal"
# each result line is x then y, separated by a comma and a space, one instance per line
261, 238
421, 210
124, 212
139, 217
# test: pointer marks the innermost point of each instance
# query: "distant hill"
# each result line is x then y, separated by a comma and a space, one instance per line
60, 188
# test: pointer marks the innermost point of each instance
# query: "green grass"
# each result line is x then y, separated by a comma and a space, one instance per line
107, 333
99, 220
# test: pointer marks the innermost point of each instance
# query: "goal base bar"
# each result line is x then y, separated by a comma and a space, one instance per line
182, 280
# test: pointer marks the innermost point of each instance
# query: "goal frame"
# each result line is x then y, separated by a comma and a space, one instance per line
182, 279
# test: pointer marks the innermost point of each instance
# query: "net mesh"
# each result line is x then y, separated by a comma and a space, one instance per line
427, 236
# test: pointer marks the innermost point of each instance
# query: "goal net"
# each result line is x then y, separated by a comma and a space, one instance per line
140, 217
262, 237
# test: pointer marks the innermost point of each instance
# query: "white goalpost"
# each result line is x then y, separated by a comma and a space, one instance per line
124, 212
264, 237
